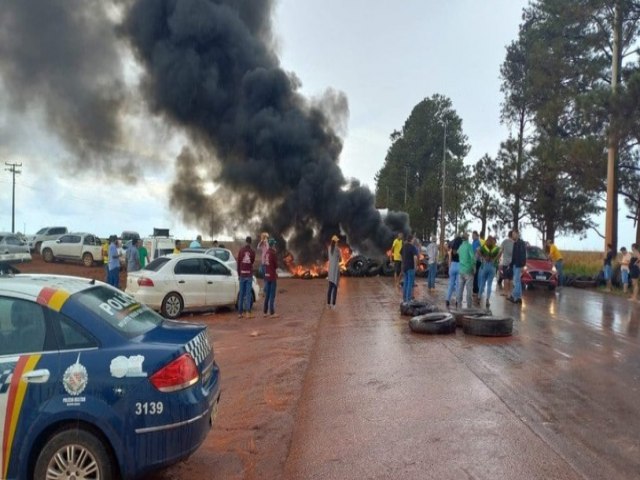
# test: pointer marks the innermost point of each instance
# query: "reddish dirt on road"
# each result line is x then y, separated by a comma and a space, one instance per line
262, 361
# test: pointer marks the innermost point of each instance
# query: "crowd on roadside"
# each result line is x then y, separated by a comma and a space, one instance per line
473, 265
629, 262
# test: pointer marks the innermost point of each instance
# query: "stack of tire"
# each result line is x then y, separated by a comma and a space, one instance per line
361, 266
427, 319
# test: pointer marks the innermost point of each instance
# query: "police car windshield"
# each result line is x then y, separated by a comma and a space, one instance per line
119, 310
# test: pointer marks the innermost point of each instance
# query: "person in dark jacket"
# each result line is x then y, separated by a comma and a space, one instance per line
518, 261
270, 279
246, 257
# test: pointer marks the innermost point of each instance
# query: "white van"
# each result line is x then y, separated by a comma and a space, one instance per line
159, 244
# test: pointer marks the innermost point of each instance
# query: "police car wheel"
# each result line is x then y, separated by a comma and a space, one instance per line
73, 453
172, 305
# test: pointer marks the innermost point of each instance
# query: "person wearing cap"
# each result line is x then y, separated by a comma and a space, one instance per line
246, 257
467, 268
334, 271
432, 263
270, 279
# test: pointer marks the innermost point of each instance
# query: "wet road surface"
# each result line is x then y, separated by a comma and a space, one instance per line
557, 400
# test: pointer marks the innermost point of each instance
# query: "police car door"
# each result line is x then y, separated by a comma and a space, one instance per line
29, 373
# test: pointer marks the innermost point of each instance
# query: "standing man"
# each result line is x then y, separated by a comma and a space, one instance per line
114, 262
333, 253
396, 247
142, 253
246, 257
105, 259
607, 267
197, 243
556, 258
476, 243
518, 261
454, 267
467, 267
270, 279
505, 263
409, 256
133, 256
432, 263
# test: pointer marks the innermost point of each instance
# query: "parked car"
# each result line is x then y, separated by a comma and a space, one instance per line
97, 385
44, 234
79, 247
538, 271
13, 249
186, 281
220, 253
158, 246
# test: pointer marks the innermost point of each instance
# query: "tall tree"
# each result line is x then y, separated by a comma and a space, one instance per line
411, 177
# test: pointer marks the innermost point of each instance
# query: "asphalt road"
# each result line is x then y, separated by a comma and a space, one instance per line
557, 400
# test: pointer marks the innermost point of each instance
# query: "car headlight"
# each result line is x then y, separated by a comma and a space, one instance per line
553, 270
525, 268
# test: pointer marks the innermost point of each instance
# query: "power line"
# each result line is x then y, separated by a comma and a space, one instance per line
13, 169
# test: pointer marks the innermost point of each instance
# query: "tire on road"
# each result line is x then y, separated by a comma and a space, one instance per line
416, 307
358, 265
585, 282
388, 268
433, 324
374, 268
459, 314
487, 326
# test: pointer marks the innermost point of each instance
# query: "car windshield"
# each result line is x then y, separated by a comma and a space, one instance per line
41, 231
119, 310
156, 264
534, 253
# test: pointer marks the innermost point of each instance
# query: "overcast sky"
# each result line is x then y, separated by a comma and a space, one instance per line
386, 56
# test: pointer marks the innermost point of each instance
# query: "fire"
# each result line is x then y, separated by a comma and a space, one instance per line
318, 270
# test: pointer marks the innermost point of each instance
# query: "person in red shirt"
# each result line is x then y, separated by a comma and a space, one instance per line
246, 257
270, 279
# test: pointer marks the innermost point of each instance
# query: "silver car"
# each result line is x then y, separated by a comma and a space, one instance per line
13, 249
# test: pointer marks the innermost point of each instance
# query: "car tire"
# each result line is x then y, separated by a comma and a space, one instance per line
459, 314
373, 269
433, 324
47, 255
415, 308
77, 449
87, 260
37, 247
172, 306
487, 326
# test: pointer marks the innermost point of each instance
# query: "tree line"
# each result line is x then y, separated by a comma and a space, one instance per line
571, 97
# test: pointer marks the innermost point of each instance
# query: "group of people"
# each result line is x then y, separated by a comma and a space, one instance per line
113, 256
629, 269
473, 265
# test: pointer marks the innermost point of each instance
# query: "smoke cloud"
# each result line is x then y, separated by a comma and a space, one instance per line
60, 56
210, 69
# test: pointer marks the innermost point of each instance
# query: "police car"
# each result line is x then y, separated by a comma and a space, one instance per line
95, 385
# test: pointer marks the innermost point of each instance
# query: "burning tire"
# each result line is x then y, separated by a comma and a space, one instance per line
358, 266
388, 268
373, 269
471, 312
585, 282
433, 324
488, 326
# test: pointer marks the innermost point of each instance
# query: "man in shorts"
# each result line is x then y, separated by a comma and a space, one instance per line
505, 263
396, 248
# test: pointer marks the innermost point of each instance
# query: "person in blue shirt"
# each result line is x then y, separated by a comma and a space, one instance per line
114, 262
197, 243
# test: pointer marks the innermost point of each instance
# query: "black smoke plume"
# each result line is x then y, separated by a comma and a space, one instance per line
211, 69
61, 57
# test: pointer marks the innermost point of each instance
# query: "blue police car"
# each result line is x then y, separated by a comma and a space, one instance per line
94, 385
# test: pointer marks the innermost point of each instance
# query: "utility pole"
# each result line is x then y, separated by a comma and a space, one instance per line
12, 169
611, 222
444, 175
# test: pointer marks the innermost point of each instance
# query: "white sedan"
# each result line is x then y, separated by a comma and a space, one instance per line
185, 281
